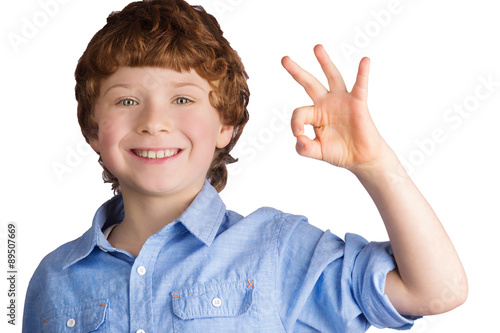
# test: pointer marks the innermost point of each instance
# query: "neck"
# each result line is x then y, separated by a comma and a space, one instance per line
146, 214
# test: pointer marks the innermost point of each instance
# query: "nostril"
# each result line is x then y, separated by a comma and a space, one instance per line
153, 129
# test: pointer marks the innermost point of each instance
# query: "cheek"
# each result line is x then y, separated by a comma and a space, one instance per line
203, 135
107, 126
113, 129
110, 134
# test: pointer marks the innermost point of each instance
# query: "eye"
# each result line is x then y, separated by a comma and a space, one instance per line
127, 102
182, 100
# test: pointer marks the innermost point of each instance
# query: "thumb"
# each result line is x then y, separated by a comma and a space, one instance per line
305, 146
308, 148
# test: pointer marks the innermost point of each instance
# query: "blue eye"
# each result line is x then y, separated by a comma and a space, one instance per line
127, 102
182, 100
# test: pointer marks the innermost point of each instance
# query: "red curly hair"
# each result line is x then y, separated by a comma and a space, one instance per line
169, 34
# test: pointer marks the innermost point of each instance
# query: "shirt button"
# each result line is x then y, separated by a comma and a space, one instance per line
141, 270
71, 322
216, 302
140, 331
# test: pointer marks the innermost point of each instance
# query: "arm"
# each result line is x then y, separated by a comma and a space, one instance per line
31, 316
430, 278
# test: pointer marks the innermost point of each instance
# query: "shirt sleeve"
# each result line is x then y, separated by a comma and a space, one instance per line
331, 285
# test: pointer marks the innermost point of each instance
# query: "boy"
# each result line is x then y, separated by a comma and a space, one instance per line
162, 99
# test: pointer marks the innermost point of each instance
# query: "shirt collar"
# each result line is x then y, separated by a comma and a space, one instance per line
205, 214
202, 218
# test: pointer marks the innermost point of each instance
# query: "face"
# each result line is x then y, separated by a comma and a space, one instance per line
157, 130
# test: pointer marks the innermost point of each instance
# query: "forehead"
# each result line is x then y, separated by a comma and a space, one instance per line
151, 78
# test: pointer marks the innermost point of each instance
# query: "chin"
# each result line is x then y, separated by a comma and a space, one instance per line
165, 186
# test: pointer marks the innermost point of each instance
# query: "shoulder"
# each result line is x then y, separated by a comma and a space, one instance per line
282, 227
265, 216
54, 263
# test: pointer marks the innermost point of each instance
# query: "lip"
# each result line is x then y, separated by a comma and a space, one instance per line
154, 160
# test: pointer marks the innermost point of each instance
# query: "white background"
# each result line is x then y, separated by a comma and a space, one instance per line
427, 57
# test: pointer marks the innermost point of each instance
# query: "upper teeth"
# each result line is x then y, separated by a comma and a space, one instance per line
155, 153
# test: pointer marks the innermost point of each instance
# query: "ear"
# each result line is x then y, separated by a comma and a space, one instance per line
225, 136
94, 143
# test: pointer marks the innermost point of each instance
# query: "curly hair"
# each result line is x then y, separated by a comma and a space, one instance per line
169, 34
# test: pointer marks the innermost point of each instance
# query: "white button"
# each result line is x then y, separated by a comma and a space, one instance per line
141, 270
140, 331
216, 302
71, 322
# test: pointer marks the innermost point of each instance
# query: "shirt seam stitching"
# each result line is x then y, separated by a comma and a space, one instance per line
276, 249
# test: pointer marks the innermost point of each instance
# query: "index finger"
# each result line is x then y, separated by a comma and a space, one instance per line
312, 86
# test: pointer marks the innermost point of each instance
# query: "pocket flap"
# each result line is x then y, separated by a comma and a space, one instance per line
85, 317
221, 299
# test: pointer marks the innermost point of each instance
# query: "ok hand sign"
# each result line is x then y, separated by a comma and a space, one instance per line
345, 133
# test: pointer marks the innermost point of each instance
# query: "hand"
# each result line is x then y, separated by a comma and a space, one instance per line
345, 133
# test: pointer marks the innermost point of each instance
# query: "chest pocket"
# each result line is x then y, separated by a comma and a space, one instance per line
215, 307
82, 318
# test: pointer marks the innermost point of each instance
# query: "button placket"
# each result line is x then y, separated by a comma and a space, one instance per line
140, 296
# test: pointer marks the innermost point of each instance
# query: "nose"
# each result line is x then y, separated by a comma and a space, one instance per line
153, 120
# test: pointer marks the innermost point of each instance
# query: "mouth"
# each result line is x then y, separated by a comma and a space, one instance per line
155, 154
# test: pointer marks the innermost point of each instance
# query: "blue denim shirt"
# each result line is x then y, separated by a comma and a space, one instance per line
213, 270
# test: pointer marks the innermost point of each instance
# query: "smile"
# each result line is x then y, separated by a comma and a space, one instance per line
155, 154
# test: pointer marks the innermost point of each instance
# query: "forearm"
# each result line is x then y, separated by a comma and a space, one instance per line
431, 278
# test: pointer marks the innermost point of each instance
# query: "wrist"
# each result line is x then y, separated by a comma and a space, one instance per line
386, 168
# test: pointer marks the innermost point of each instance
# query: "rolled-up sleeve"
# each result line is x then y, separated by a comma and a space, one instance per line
332, 285
371, 263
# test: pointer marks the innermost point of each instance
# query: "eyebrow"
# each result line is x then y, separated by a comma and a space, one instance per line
183, 84
175, 84
122, 85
